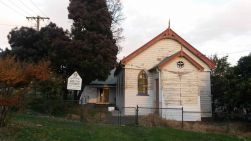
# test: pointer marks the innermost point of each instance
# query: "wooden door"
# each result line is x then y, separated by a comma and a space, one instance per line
104, 95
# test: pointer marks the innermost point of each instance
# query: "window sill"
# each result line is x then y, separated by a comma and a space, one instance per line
142, 95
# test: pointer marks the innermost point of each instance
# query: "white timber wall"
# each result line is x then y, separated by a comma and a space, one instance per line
112, 95
151, 57
205, 94
132, 99
157, 52
181, 89
145, 61
120, 90
90, 93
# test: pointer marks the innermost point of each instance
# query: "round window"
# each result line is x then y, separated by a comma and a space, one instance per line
180, 64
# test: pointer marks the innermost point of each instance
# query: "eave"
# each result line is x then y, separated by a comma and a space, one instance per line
181, 53
170, 34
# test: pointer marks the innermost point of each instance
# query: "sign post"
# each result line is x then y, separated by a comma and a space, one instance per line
74, 82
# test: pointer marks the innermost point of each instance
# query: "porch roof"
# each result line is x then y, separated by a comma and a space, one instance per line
103, 86
172, 57
111, 80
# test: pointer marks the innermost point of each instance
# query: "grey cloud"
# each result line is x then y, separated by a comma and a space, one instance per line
233, 19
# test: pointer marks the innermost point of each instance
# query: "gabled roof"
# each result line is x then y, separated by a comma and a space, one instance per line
181, 53
111, 80
170, 34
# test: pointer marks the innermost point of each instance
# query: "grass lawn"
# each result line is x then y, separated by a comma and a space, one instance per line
35, 128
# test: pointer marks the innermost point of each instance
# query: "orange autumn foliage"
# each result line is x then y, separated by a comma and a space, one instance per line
39, 71
15, 78
13, 72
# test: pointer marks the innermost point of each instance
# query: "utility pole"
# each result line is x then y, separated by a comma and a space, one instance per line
37, 19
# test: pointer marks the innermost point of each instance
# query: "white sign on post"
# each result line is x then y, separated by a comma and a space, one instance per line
74, 82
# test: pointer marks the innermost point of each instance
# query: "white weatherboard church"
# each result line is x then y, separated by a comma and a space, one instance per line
166, 72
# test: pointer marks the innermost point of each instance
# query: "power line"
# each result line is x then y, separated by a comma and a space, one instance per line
18, 12
37, 19
234, 52
20, 1
19, 7
13, 25
38, 8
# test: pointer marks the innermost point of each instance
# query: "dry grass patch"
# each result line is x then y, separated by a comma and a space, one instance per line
90, 115
233, 128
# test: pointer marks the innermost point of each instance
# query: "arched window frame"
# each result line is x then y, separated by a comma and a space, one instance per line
142, 83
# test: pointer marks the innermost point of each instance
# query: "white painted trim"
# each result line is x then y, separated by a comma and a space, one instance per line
135, 68
160, 90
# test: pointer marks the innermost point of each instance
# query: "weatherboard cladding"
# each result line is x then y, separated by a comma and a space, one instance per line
171, 81
164, 51
205, 94
170, 34
120, 98
176, 55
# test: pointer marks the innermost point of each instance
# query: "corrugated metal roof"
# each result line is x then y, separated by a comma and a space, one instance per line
111, 80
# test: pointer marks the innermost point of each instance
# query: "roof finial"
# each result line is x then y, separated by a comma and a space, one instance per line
169, 24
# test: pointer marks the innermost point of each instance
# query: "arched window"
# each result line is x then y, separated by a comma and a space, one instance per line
142, 83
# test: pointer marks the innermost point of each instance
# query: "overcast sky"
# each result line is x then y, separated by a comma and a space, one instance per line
212, 26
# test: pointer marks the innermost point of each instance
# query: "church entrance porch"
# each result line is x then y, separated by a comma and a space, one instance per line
103, 96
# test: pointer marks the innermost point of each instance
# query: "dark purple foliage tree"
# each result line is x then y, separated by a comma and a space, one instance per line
92, 36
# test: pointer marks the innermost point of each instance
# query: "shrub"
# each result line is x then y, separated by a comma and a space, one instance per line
15, 79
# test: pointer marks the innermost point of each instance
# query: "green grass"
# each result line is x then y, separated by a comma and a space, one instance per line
35, 128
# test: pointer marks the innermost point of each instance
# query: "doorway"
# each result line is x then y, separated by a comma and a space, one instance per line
104, 95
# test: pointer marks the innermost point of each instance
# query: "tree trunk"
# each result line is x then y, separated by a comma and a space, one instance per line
75, 95
3, 115
65, 94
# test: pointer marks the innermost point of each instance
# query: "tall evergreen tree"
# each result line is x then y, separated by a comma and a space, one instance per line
92, 36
